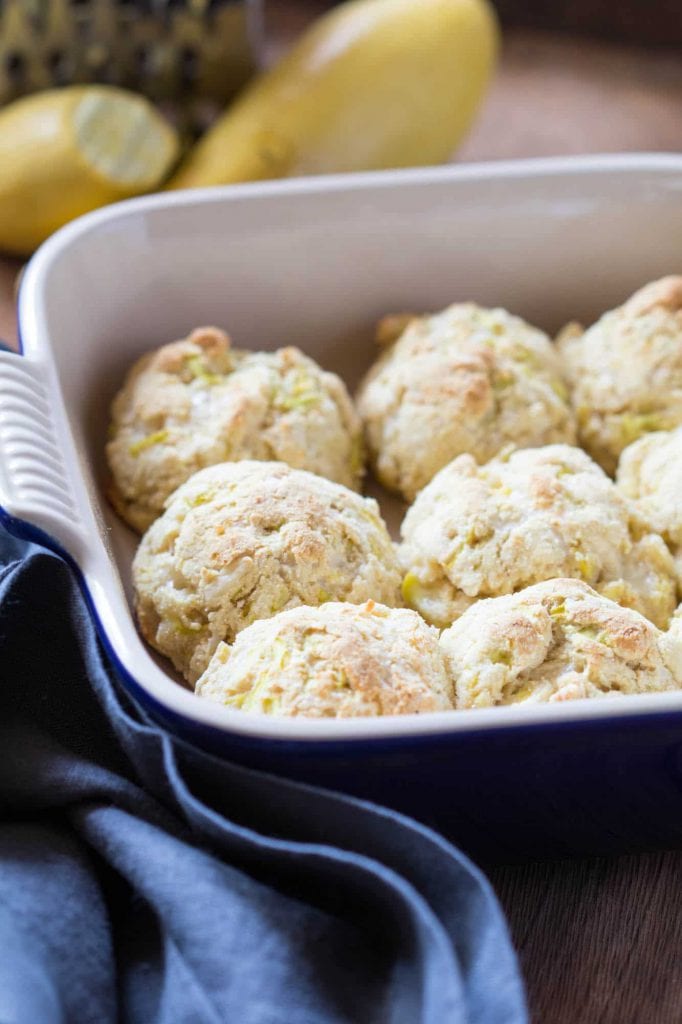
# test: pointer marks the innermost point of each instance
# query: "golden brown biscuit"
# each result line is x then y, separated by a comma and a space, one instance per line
244, 540
555, 641
198, 402
534, 514
650, 473
335, 661
465, 380
626, 371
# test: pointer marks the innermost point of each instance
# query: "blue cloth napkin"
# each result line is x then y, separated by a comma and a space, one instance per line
144, 881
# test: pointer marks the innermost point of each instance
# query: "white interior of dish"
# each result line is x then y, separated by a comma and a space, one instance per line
314, 264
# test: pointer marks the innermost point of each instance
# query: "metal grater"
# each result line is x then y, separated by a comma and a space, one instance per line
191, 55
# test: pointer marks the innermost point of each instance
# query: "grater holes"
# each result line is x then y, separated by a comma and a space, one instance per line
170, 9
143, 60
189, 66
15, 66
212, 8
58, 64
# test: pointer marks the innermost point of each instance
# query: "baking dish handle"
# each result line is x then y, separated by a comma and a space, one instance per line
34, 482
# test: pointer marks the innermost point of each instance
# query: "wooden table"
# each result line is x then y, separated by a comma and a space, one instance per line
600, 941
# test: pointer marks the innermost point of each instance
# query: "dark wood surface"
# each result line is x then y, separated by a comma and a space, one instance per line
600, 941
655, 22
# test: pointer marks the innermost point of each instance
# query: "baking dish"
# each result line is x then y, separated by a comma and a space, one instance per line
315, 262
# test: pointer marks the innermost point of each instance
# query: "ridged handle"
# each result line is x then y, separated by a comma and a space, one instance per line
34, 482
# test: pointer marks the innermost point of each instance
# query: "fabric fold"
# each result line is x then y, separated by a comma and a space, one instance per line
205, 891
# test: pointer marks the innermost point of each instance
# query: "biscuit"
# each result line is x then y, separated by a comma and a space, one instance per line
555, 641
198, 402
335, 661
625, 371
465, 380
527, 516
650, 474
244, 540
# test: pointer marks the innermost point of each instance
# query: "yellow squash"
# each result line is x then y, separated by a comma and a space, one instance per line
373, 84
64, 152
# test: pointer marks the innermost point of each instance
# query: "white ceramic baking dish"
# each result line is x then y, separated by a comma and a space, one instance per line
312, 263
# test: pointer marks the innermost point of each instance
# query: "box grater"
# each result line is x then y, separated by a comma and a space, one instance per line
190, 55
